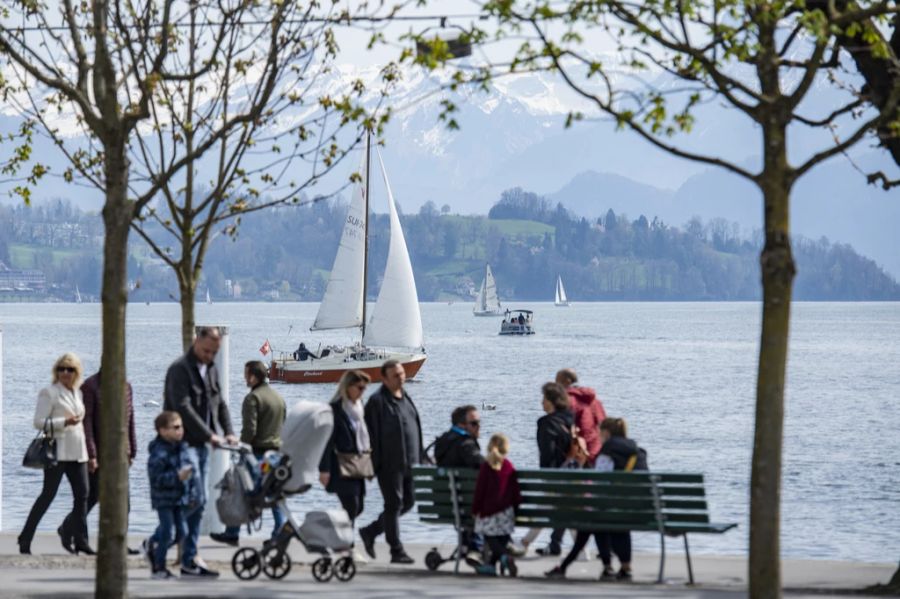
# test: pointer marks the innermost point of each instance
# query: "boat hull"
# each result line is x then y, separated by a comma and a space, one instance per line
331, 368
516, 329
488, 313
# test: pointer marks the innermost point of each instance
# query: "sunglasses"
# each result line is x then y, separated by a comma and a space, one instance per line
69, 369
474, 423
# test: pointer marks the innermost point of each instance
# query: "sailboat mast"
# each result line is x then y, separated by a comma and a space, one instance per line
366, 241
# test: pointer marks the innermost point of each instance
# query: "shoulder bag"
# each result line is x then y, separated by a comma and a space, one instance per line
41, 452
355, 465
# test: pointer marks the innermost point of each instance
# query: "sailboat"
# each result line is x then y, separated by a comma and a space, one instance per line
77, 295
208, 300
487, 303
561, 299
395, 329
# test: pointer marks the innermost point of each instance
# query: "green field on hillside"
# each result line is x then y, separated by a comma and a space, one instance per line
23, 256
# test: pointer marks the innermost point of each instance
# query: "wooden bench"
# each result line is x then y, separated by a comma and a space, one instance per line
669, 504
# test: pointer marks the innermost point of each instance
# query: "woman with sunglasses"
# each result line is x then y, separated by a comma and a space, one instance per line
350, 437
60, 411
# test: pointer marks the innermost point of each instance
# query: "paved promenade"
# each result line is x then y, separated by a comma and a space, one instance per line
52, 573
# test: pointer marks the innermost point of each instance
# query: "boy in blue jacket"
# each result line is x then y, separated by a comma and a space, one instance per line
171, 474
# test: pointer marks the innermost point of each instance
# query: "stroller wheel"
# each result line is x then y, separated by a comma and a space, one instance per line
433, 560
322, 569
246, 563
276, 563
282, 473
345, 569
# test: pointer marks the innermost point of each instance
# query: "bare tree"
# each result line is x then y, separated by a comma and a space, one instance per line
271, 160
95, 69
762, 59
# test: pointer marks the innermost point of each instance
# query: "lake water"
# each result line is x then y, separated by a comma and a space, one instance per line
682, 374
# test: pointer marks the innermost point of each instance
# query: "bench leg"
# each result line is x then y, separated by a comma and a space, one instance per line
662, 558
459, 550
687, 554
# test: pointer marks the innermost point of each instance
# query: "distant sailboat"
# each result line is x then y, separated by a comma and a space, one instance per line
561, 299
487, 303
77, 295
208, 300
395, 329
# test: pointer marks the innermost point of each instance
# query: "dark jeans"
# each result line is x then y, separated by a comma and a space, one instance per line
199, 457
556, 537
497, 547
619, 542
169, 518
396, 488
92, 499
77, 474
352, 504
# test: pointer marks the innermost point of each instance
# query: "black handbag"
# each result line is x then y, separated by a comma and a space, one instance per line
355, 465
41, 452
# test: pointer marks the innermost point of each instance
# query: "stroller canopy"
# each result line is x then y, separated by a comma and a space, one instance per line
305, 434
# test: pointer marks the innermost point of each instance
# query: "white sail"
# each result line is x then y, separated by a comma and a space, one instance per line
342, 304
208, 299
487, 299
77, 295
396, 320
561, 299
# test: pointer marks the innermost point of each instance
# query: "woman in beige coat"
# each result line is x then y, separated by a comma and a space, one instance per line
60, 410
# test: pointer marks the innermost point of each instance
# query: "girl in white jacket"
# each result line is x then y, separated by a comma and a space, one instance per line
60, 410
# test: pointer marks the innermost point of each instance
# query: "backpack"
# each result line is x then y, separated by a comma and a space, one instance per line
637, 461
234, 505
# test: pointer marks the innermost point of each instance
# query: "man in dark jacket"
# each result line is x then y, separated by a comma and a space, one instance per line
263, 413
396, 435
192, 390
458, 447
90, 391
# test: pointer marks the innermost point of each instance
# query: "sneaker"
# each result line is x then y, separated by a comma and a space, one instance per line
195, 570
359, 558
474, 559
368, 542
624, 576
221, 537
517, 549
163, 574
402, 558
556, 572
607, 574
549, 550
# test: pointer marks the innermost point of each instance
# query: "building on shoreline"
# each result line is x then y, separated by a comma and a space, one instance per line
25, 281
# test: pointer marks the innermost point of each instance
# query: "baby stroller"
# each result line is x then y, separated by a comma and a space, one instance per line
306, 431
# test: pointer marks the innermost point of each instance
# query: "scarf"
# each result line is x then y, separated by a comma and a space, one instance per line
354, 411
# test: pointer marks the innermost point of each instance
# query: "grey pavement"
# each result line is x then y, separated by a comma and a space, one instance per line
52, 573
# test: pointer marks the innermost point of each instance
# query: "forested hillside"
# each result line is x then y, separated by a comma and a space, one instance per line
286, 254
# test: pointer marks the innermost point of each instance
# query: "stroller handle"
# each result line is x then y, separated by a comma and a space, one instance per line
236, 447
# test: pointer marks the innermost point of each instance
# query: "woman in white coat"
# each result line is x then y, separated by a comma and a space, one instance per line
60, 408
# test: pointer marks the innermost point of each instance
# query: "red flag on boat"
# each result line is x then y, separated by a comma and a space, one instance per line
266, 348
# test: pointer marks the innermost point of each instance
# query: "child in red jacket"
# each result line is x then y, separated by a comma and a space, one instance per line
497, 495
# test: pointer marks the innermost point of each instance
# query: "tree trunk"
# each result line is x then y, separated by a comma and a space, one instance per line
112, 570
187, 288
777, 266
